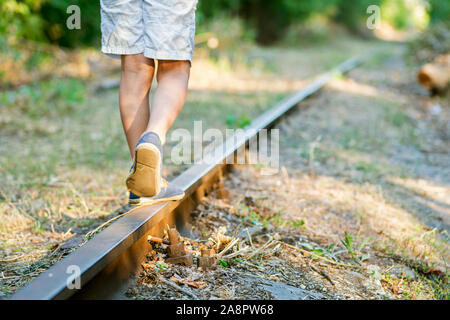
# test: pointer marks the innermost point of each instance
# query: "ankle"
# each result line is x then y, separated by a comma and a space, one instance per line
161, 135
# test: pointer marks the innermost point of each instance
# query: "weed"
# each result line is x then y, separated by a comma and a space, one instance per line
298, 223
355, 253
223, 263
241, 122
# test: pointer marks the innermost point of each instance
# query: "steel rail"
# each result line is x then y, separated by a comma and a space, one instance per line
107, 264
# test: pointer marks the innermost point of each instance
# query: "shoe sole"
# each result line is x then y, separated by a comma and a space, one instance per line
145, 179
145, 201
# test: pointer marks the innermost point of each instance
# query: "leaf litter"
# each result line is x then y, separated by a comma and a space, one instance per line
253, 260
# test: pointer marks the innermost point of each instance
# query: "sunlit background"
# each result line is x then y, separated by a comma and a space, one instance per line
31, 31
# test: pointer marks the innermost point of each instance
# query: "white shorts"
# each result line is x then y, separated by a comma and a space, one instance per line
160, 29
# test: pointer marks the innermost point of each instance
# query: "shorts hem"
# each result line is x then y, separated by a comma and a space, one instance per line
114, 52
149, 53
168, 55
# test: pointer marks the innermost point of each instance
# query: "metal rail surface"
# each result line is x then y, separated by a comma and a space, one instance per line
109, 263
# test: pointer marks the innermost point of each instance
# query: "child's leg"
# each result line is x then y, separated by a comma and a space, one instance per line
145, 179
169, 96
135, 83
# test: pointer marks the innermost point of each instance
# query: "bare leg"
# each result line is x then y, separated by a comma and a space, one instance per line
169, 96
135, 83
145, 180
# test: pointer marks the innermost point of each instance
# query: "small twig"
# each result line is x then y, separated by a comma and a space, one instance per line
20, 276
228, 247
317, 256
249, 237
266, 245
67, 232
234, 254
252, 265
322, 273
274, 249
90, 233
15, 258
82, 200
10, 277
177, 287
159, 240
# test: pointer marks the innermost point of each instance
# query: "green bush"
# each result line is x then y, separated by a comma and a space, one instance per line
439, 11
55, 15
44, 20
21, 19
396, 13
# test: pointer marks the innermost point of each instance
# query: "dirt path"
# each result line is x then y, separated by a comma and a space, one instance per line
359, 210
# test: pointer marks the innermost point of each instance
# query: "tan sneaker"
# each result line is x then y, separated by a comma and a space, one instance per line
169, 192
145, 178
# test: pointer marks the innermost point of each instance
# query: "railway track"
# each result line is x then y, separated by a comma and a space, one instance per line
106, 266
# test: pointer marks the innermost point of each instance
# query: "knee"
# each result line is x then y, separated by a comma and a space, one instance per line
173, 69
138, 64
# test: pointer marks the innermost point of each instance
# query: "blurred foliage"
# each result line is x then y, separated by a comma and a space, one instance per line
432, 43
22, 19
352, 14
44, 20
396, 12
55, 97
55, 15
403, 14
234, 122
439, 11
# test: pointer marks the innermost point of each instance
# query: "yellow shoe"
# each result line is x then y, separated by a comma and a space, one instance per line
145, 179
169, 192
